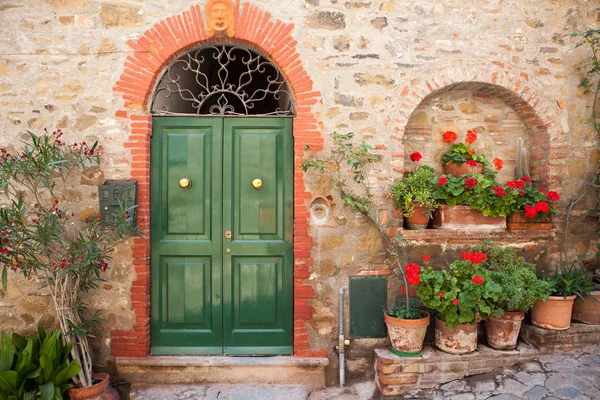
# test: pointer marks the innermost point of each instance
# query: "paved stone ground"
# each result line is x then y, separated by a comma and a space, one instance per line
564, 376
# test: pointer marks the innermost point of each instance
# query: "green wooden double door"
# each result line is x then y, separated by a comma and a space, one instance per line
221, 249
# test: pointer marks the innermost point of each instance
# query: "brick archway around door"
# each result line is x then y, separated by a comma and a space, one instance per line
153, 52
542, 114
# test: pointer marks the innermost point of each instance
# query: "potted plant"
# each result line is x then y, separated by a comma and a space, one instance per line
461, 294
473, 202
535, 207
461, 158
414, 195
555, 312
406, 327
586, 307
520, 288
41, 238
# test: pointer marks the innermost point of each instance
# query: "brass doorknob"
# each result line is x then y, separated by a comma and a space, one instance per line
228, 251
185, 183
257, 184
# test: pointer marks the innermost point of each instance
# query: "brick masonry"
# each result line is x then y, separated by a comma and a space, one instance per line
153, 51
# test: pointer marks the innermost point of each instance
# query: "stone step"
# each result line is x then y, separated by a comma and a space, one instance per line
578, 335
218, 392
397, 375
304, 371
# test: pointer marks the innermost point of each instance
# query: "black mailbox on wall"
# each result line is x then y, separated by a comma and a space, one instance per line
112, 195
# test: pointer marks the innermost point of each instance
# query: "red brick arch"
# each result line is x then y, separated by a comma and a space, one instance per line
153, 51
536, 108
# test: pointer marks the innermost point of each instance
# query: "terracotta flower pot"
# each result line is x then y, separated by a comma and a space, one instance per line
419, 219
584, 310
554, 313
459, 340
459, 170
98, 391
503, 332
465, 217
407, 335
520, 222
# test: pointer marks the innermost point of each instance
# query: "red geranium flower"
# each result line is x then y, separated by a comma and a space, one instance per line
470, 182
471, 137
441, 294
477, 279
475, 257
498, 163
553, 196
449, 136
526, 179
413, 273
470, 151
471, 163
443, 180
530, 212
542, 206
455, 301
415, 157
426, 258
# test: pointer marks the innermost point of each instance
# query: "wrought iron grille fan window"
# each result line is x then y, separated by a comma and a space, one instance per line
223, 80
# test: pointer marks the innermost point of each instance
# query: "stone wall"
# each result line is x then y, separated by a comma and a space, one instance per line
383, 69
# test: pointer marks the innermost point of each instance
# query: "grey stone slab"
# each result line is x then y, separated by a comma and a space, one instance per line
462, 396
536, 393
504, 396
179, 392
590, 387
482, 382
567, 393
455, 386
556, 382
530, 379
511, 386
334, 393
269, 392
589, 360
531, 366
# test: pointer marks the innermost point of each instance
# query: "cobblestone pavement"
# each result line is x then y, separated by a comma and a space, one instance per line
571, 375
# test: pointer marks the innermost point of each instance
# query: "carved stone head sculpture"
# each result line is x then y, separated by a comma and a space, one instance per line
219, 17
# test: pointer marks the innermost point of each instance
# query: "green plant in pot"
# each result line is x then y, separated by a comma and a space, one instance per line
42, 239
462, 294
461, 158
567, 284
586, 307
520, 288
414, 195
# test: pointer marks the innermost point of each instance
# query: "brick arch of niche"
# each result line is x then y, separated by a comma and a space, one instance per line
152, 53
539, 112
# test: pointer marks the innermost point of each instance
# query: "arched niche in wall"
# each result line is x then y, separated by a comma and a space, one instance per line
496, 114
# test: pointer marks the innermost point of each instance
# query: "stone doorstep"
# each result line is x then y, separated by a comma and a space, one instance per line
396, 375
578, 335
308, 371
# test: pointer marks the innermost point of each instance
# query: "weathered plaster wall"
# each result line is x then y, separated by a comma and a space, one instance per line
373, 62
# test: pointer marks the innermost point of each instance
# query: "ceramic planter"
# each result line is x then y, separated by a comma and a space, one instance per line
503, 332
459, 340
520, 222
419, 219
459, 170
465, 218
554, 313
584, 310
407, 335
98, 391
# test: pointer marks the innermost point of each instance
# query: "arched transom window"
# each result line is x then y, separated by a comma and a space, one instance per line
223, 80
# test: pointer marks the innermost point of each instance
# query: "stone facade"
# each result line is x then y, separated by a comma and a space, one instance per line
395, 73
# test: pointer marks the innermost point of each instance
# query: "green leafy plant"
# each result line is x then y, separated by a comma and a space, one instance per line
533, 203
41, 238
480, 191
349, 159
399, 310
571, 280
462, 293
416, 188
519, 284
37, 368
460, 153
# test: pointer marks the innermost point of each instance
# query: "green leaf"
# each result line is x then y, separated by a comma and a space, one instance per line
47, 391
8, 381
41, 333
6, 352
29, 395
4, 277
68, 373
35, 373
19, 341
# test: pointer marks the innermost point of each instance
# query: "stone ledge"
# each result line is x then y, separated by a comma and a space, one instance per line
467, 236
397, 375
578, 335
309, 371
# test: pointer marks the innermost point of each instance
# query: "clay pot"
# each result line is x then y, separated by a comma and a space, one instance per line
465, 218
554, 313
520, 222
503, 332
584, 310
407, 335
419, 219
98, 391
459, 170
459, 340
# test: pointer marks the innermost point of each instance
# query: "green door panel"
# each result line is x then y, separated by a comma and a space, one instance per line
214, 293
257, 273
186, 236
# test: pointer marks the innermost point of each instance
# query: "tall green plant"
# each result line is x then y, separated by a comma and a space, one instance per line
416, 187
41, 238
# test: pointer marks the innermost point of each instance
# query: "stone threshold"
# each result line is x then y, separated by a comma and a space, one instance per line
308, 371
397, 375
